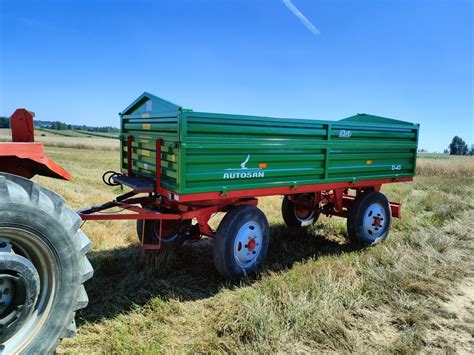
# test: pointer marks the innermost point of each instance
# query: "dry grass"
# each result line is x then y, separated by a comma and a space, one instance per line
458, 166
55, 140
316, 292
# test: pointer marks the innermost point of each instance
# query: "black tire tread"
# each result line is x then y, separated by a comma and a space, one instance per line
222, 234
354, 211
70, 331
222, 230
288, 214
18, 190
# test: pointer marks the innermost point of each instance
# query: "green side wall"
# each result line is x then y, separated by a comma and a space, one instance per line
201, 148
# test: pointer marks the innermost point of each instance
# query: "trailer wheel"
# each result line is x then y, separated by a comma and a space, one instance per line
42, 267
369, 219
173, 234
295, 215
241, 242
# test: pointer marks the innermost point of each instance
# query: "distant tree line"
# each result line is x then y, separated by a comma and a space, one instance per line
61, 126
459, 147
4, 122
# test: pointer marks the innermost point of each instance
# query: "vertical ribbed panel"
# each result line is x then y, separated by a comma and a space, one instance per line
145, 132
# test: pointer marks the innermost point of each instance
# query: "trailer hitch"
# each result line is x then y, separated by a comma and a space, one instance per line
110, 204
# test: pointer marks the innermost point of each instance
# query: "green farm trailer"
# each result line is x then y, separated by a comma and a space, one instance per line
184, 166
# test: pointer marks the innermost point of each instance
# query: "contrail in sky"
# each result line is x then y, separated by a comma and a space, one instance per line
301, 17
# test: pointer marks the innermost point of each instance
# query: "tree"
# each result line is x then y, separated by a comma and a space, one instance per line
458, 146
4, 122
60, 126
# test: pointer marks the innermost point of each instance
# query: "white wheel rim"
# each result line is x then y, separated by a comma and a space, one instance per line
248, 244
375, 221
307, 219
303, 220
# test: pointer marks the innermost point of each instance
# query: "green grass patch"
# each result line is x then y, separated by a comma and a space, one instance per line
99, 134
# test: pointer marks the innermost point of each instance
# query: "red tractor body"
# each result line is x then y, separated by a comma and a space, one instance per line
25, 157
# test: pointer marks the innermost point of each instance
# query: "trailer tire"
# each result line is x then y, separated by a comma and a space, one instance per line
369, 219
43, 267
241, 242
296, 217
174, 237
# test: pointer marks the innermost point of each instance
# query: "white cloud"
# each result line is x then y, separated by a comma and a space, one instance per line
301, 17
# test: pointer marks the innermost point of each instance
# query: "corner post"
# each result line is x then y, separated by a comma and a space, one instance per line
158, 166
129, 155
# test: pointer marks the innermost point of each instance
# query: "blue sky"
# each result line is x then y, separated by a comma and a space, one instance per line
84, 61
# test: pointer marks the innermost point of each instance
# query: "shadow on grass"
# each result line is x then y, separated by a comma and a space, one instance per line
126, 277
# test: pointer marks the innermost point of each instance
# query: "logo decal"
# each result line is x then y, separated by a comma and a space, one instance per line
345, 133
244, 172
244, 164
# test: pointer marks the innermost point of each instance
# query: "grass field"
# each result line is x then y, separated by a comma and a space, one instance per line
78, 133
75, 139
316, 292
100, 134
65, 133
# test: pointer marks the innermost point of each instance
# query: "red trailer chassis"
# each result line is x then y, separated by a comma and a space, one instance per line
160, 204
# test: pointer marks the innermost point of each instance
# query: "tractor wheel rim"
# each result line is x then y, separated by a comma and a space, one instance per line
248, 244
25, 245
375, 221
19, 289
7, 292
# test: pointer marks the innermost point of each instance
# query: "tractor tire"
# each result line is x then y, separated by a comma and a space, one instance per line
241, 242
295, 216
43, 266
369, 219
